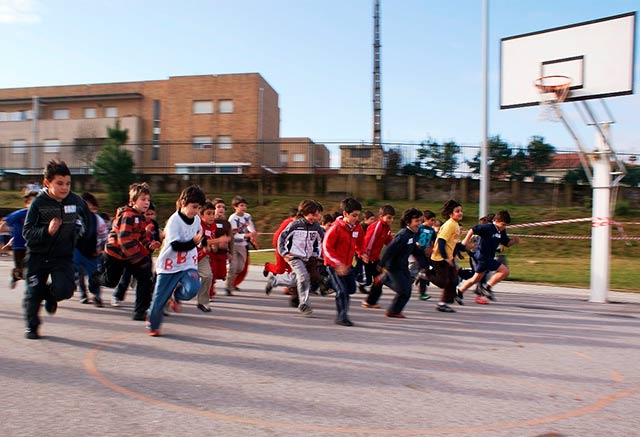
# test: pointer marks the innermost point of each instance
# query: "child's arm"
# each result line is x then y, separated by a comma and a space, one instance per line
466, 239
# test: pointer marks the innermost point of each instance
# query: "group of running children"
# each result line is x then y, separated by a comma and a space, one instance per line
64, 238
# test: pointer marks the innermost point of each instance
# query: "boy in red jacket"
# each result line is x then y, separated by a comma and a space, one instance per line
378, 235
341, 242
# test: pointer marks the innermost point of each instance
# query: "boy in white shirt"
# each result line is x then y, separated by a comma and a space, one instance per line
177, 262
243, 231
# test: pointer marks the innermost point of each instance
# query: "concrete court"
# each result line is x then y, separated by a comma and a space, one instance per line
540, 361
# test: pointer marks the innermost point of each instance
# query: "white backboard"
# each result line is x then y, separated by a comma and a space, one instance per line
597, 55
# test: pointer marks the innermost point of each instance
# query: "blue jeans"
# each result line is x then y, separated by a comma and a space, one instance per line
344, 286
166, 283
86, 266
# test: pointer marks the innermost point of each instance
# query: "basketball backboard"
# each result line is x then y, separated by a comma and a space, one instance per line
597, 55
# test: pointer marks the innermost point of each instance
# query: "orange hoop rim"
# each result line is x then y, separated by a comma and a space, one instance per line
560, 88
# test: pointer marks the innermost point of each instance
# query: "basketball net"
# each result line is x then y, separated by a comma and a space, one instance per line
553, 90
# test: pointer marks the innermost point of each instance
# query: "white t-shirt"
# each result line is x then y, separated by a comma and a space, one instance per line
170, 261
244, 225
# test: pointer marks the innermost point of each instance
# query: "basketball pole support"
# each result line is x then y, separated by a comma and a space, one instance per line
600, 179
601, 219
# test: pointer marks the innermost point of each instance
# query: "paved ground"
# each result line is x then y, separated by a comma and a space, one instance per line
540, 361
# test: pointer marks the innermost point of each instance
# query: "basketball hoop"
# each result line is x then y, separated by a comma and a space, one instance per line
553, 90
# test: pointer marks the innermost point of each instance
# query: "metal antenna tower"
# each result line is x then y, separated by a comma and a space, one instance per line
377, 105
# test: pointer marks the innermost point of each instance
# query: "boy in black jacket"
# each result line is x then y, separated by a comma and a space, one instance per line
56, 219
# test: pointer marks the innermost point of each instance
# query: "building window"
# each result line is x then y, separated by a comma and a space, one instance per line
225, 106
111, 112
52, 146
224, 142
299, 157
202, 107
19, 146
60, 114
90, 113
201, 143
361, 153
284, 158
4, 116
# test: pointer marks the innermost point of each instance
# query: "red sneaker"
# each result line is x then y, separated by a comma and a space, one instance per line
364, 304
175, 305
154, 332
397, 316
481, 300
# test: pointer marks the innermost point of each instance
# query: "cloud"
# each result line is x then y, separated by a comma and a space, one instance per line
20, 11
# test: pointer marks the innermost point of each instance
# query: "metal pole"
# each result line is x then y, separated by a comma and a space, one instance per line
484, 152
34, 142
600, 228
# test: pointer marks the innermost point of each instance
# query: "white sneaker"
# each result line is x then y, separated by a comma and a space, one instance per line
115, 302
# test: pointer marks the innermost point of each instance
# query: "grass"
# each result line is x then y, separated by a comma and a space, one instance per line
553, 261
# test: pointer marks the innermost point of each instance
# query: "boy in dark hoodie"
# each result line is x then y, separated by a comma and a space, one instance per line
56, 218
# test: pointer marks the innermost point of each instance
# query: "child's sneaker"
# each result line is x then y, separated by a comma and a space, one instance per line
459, 297
305, 309
425, 296
481, 300
175, 305
154, 332
115, 302
487, 291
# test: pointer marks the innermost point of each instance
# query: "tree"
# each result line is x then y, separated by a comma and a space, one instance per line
500, 157
440, 159
114, 164
576, 176
540, 154
394, 159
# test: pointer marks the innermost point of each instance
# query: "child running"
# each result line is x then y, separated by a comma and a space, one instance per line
343, 239
300, 245
395, 262
177, 262
446, 273
491, 236
14, 223
55, 220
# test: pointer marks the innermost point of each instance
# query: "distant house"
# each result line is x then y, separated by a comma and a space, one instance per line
561, 163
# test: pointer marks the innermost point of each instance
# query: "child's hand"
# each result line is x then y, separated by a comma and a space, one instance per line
155, 244
54, 225
198, 238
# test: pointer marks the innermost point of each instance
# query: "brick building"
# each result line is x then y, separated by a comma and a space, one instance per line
187, 124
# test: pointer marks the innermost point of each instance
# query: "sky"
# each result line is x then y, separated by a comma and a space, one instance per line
317, 55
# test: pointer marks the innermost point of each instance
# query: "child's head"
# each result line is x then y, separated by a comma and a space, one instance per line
502, 219
411, 218
208, 213
239, 204
28, 197
151, 212
309, 210
387, 213
91, 201
293, 212
140, 196
436, 225
191, 200
327, 220
220, 207
486, 219
428, 217
350, 210
57, 179
452, 210
368, 217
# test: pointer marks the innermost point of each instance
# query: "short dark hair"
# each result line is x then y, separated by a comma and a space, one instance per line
408, 215
90, 198
55, 168
448, 207
152, 206
387, 210
503, 216
192, 194
308, 207
367, 214
350, 204
238, 200
486, 219
207, 205
327, 218
30, 194
428, 214
218, 200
